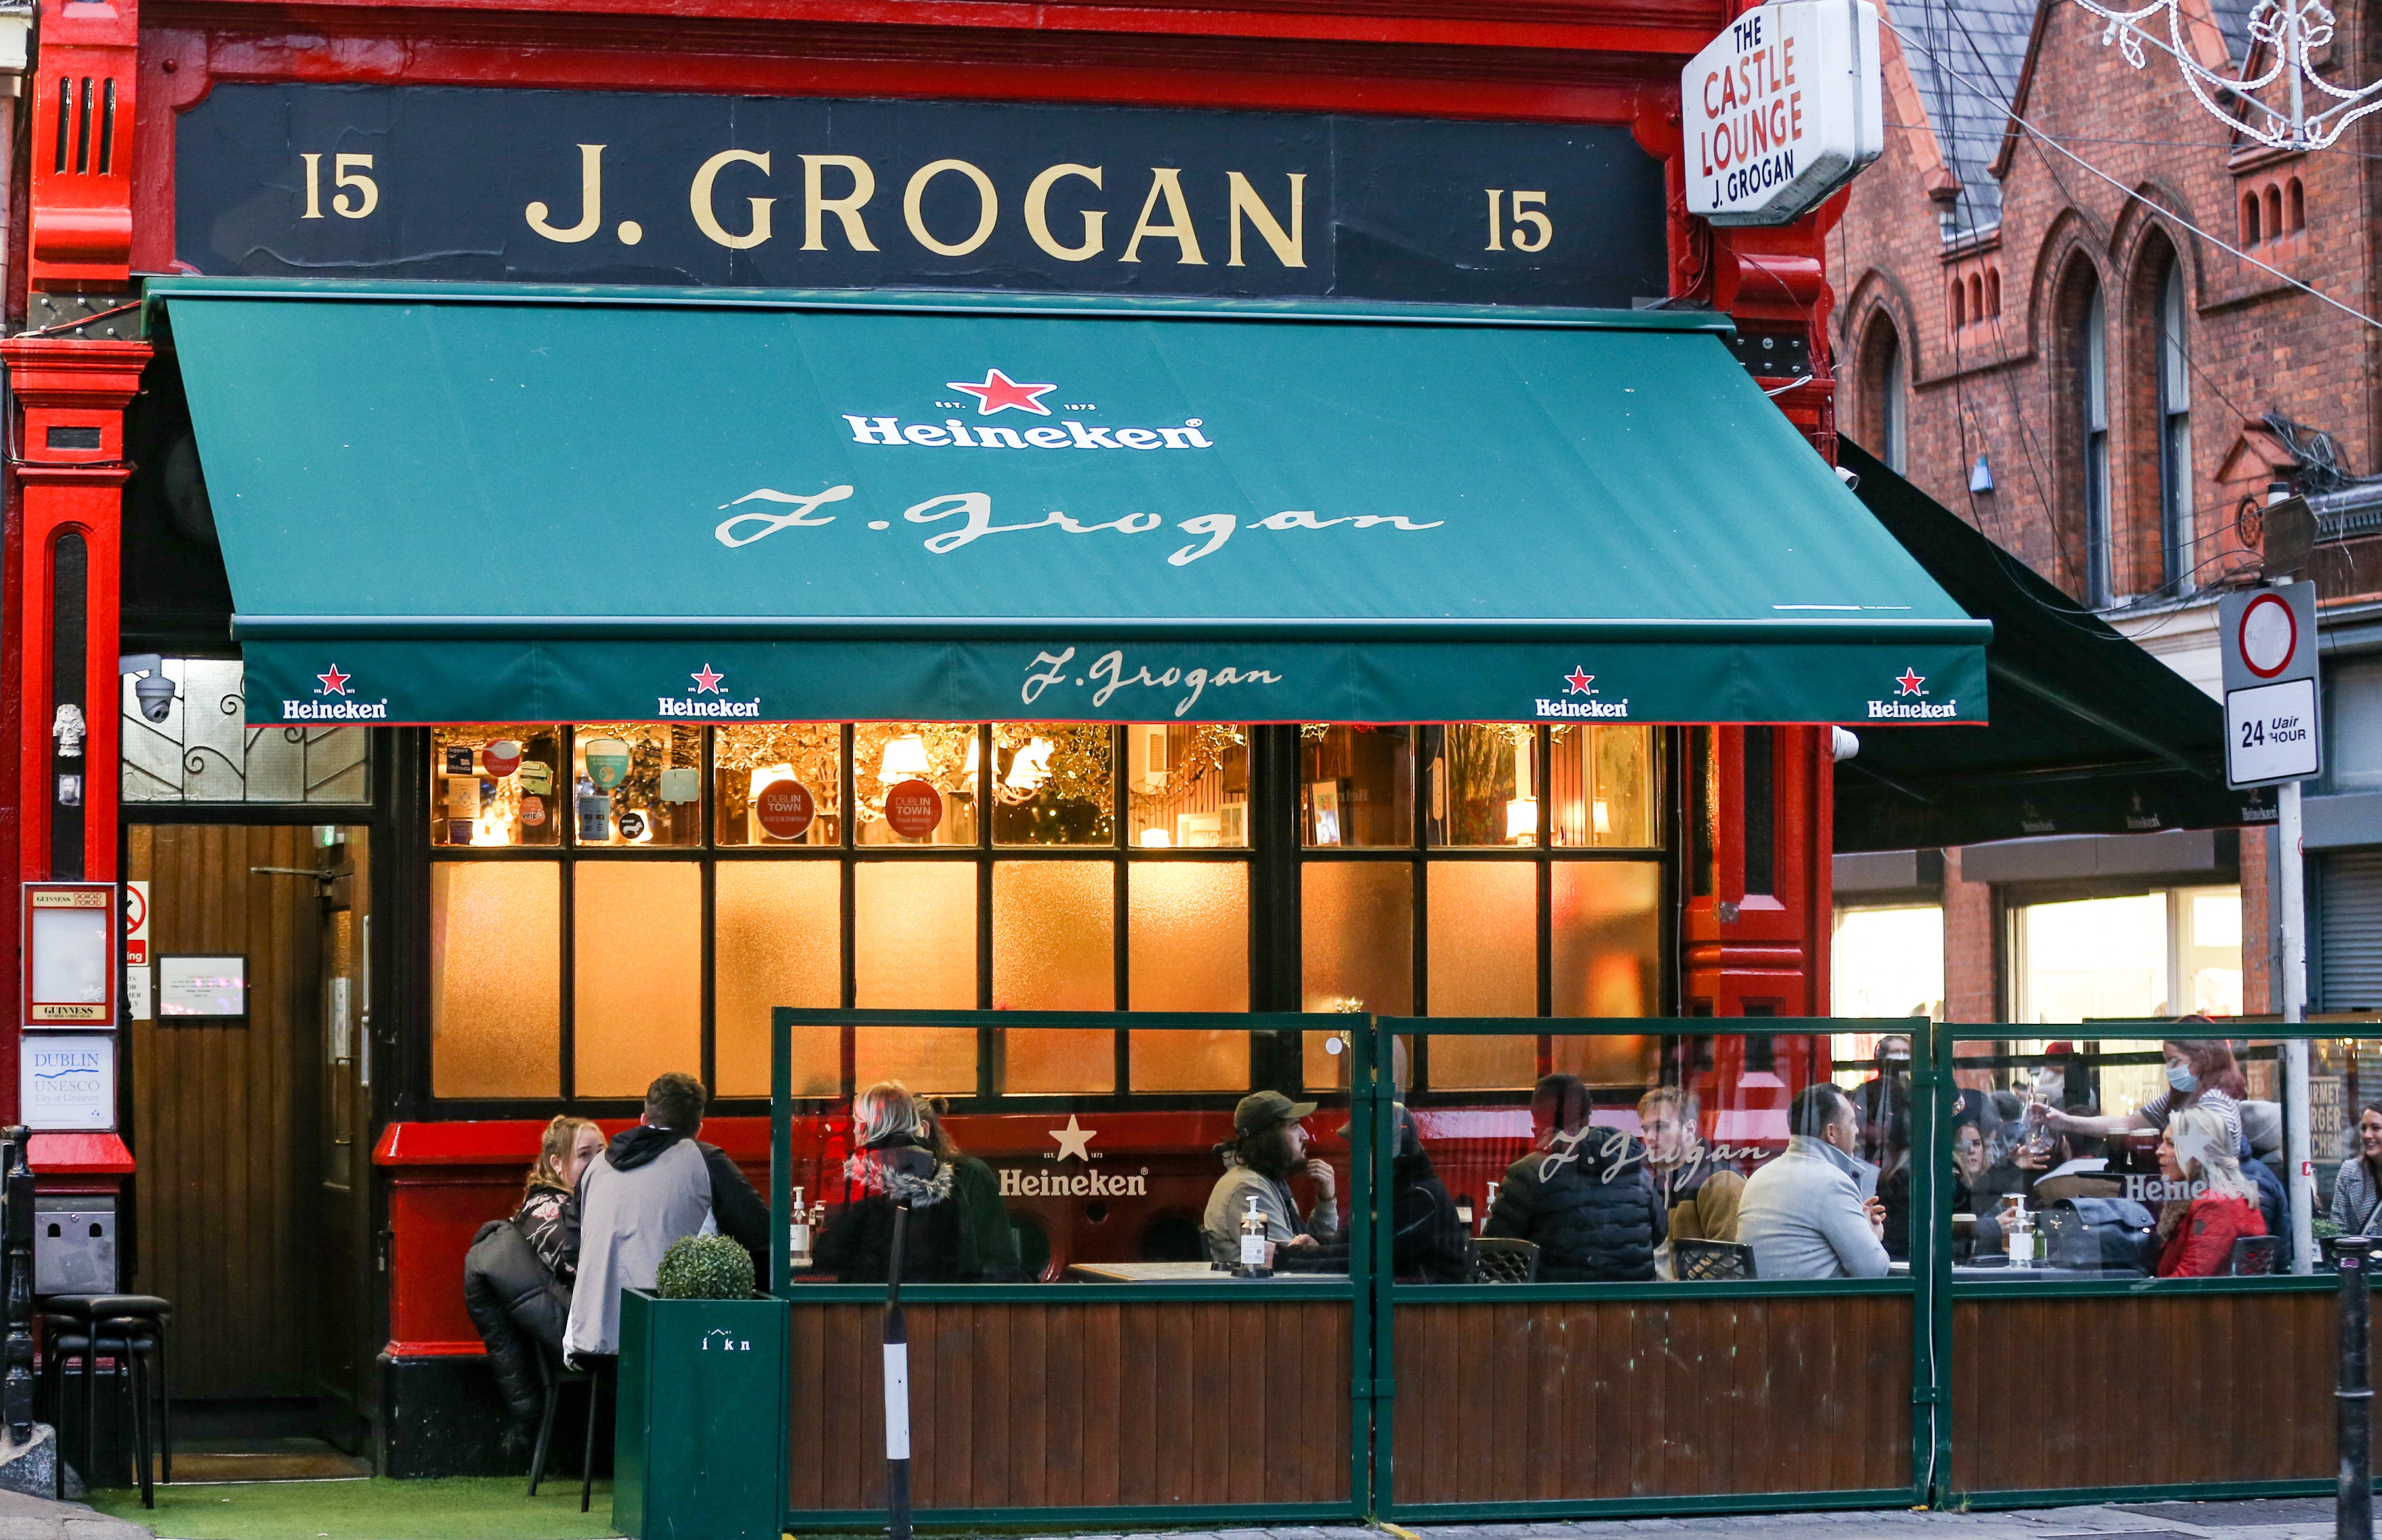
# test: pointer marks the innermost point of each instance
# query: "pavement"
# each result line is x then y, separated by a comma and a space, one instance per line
24, 1517
2272, 1519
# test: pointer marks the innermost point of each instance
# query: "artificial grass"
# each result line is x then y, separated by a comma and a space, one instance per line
459, 1507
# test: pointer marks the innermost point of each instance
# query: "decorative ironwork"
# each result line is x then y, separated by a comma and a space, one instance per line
2289, 34
196, 754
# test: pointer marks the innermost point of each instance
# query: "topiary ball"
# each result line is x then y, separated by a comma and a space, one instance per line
705, 1268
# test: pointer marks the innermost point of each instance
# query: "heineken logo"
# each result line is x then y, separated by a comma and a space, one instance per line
1902, 708
1580, 683
708, 682
332, 682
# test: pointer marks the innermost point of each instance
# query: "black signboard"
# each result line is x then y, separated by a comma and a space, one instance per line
592, 186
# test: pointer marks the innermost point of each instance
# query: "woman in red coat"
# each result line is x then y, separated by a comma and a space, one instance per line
2198, 1232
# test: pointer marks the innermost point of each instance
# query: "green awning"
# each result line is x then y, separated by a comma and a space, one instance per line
442, 502
2090, 734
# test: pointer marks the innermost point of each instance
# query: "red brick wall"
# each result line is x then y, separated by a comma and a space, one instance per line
1971, 992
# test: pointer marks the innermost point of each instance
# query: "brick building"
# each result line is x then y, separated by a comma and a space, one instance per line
2038, 331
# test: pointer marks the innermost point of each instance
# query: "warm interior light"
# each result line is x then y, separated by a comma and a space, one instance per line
1522, 819
1600, 816
1031, 767
906, 758
765, 776
1155, 839
975, 757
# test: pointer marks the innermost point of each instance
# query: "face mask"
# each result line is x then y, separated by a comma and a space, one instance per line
2183, 1079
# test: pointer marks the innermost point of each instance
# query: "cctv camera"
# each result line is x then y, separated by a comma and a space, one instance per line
151, 689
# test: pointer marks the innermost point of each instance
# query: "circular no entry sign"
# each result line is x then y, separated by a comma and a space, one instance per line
914, 809
2268, 636
785, 809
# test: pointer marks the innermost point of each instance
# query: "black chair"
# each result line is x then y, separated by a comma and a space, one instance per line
1711, 1261
1502, 1259
555, 1375
130, 1331
2255, 1255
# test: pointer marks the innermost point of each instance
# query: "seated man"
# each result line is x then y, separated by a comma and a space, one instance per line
1269, 1143
1582, 1195
1700, 1191
1803, 1212
654, 1184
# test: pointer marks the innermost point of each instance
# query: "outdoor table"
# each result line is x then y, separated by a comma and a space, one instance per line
1181, 1272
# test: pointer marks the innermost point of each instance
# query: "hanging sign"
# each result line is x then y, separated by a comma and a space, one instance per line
914, 809
70, 931
1781, 109
501, 758
785, 808
2272, 731
66, 1081
607, 763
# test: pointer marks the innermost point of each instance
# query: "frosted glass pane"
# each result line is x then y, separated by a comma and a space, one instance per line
496, 979
1188, 944
1484, 961
1608, 940
1357, 946
1055, 948
636, 974
913, 947
777, 941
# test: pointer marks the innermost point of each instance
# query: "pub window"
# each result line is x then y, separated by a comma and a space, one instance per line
2091, 355
2174, 433
2295, 200
197, 749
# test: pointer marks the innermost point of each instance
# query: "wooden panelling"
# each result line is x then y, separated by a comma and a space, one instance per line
2146, 1390
1570, 1400
1016, 1405
221, 1114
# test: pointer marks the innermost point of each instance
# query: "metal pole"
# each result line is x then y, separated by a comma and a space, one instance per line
897, 1389
2298, 1148
2354, 1515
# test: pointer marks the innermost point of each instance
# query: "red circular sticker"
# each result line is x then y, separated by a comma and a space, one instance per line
784, 809
914, 809
532, 810
2268, 636
501, 758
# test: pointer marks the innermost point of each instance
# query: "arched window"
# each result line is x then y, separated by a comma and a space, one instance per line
1959, 312
2296, 197
2274, 212
2090, 354
2250, 218
2174, 433
1994, 292
1976, 298
1885, 387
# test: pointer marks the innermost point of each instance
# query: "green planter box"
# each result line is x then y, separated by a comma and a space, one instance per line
701, 1449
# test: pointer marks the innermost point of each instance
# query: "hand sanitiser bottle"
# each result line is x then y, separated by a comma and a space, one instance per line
1253, 1243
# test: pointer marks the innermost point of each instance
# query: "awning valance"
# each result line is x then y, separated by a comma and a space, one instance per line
440, 502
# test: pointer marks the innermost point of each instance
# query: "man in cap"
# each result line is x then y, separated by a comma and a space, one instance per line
1269, 1143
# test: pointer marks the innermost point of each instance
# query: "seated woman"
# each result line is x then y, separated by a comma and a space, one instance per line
2357, 1187
893, 1165
517, 1275
2197, 1233
1581, 1195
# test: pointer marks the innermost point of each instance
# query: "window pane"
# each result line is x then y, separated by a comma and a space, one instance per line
1188, 949
777, 941
749, 761
1602, 780
1484, 961
636, 949
1356, 785
1186, 786
2093, 957
1889, 961
1358, 949
913, 947
472, 804
1055, 948
943, 754
636, 784
1481, 787
1607, 937
2209, 944
1055, 783
496, 979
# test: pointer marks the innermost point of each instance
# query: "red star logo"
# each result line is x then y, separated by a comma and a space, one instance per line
708, 682
1911, 680
335, 682
999, 393
1578, 681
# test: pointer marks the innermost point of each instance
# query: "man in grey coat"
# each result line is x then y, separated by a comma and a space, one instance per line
1805, 1213
654, 1184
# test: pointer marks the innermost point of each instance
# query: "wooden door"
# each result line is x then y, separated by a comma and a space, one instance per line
225, 1113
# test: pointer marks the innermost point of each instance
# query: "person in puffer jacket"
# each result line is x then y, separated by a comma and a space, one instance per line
894, 1163
1582, 1195
517, 1275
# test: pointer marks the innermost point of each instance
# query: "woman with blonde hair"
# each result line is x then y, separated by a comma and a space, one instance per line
545, 1217
893, 1166
517, 1276
2211, 1204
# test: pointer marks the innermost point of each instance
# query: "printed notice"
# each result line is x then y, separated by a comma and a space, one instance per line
67, 1081
2270, 733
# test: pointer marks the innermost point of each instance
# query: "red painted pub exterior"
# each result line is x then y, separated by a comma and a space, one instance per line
306, 1199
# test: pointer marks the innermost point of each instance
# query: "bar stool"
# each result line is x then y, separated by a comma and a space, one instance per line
131, 1329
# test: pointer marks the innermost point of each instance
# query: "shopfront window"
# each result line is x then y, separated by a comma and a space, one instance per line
1889, 961
2170, 953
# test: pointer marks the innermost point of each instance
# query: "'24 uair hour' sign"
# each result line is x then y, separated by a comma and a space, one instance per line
591, 187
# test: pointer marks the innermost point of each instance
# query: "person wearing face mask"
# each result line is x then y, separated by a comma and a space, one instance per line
1804, 1214
2357, 1189
2200, 1073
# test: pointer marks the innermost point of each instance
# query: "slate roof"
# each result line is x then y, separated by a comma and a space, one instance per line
1964, 58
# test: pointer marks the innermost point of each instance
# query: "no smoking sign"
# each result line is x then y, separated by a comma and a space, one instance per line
2272, 731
